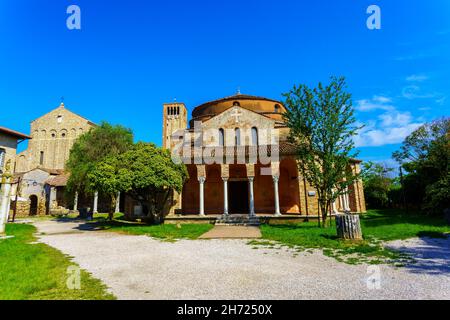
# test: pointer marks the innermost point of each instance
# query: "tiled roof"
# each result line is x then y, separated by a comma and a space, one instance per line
58, 181
14, 133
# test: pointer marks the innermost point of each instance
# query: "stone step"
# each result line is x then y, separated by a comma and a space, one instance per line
237, 221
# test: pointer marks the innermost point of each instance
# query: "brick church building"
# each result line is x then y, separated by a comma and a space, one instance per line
240, 162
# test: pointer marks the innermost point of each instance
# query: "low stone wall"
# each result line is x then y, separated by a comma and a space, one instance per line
23, 209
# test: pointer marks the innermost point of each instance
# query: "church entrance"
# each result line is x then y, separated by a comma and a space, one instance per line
238, 197
33, 205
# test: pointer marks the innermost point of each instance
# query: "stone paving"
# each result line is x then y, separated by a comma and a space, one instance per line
232, 232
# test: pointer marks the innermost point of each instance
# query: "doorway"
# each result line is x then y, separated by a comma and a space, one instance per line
33, 205
238, 197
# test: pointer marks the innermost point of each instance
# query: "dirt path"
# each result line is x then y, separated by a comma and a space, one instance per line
139, 267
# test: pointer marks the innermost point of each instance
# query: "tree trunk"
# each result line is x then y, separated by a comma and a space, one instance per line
348, 227
111, 209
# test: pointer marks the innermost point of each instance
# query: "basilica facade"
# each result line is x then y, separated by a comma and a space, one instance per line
240, 161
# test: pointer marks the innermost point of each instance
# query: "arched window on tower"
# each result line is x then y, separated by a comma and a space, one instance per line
255, 141
277, 108
221, 137
237, 137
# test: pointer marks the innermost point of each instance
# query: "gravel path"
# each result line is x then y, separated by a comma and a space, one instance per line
139, 267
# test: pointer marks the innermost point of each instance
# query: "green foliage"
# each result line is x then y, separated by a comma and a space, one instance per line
322, 125
91, 148
377, 185
425, 155
145, 172
37, 271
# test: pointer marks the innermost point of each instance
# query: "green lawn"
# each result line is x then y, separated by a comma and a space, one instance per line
169, 232
377, 226
37, 271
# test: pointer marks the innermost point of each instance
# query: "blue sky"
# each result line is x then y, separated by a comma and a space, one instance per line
132, 56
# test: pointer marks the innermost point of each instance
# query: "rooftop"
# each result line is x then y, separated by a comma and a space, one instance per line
14, 133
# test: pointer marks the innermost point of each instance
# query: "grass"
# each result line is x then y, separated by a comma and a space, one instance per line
32, 271
167, 232
377, 226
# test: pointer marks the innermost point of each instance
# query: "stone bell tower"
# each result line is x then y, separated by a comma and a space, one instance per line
174, 118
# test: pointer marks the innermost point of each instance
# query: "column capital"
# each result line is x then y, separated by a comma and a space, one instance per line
225, 179
276, 178
202, 179
251, 178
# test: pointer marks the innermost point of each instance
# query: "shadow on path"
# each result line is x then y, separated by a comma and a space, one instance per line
431, 255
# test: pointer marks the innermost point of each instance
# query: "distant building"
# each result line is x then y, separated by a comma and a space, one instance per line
9, 139
53, 135
39, 173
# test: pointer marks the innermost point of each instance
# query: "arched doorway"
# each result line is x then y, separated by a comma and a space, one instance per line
213, 190
190, 197
238, 201
33, 205
289, 194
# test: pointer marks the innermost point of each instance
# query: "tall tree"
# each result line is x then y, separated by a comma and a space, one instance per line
377, 184
146, 173
425, 156
322, 126
91, 148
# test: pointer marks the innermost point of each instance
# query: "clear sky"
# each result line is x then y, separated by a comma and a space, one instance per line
132, 56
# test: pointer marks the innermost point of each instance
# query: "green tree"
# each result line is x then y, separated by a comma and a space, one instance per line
322, 126
146, 173
91, 148
425, 156
377, 184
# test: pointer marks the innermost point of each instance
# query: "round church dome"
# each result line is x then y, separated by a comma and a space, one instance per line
268, 107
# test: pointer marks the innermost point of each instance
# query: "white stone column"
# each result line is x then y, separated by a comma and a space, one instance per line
4, 204
117, 203
52, 197
251, 196
346, 201
94, 209
75, 201
334, 207
202, 200
225, 196
277, 199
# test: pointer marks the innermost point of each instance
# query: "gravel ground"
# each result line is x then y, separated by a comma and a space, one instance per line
139, 267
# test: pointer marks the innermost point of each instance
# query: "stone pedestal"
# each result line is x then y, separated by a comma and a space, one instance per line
348, 227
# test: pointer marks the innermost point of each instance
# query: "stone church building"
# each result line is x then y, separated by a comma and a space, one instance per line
39, 170
240, 162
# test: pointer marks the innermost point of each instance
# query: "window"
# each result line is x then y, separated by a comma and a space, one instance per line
41, 159
60, 119
236, 104
277, 108
63, 135
53, 135
237, 137
2, 158
221, 137
255, 136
